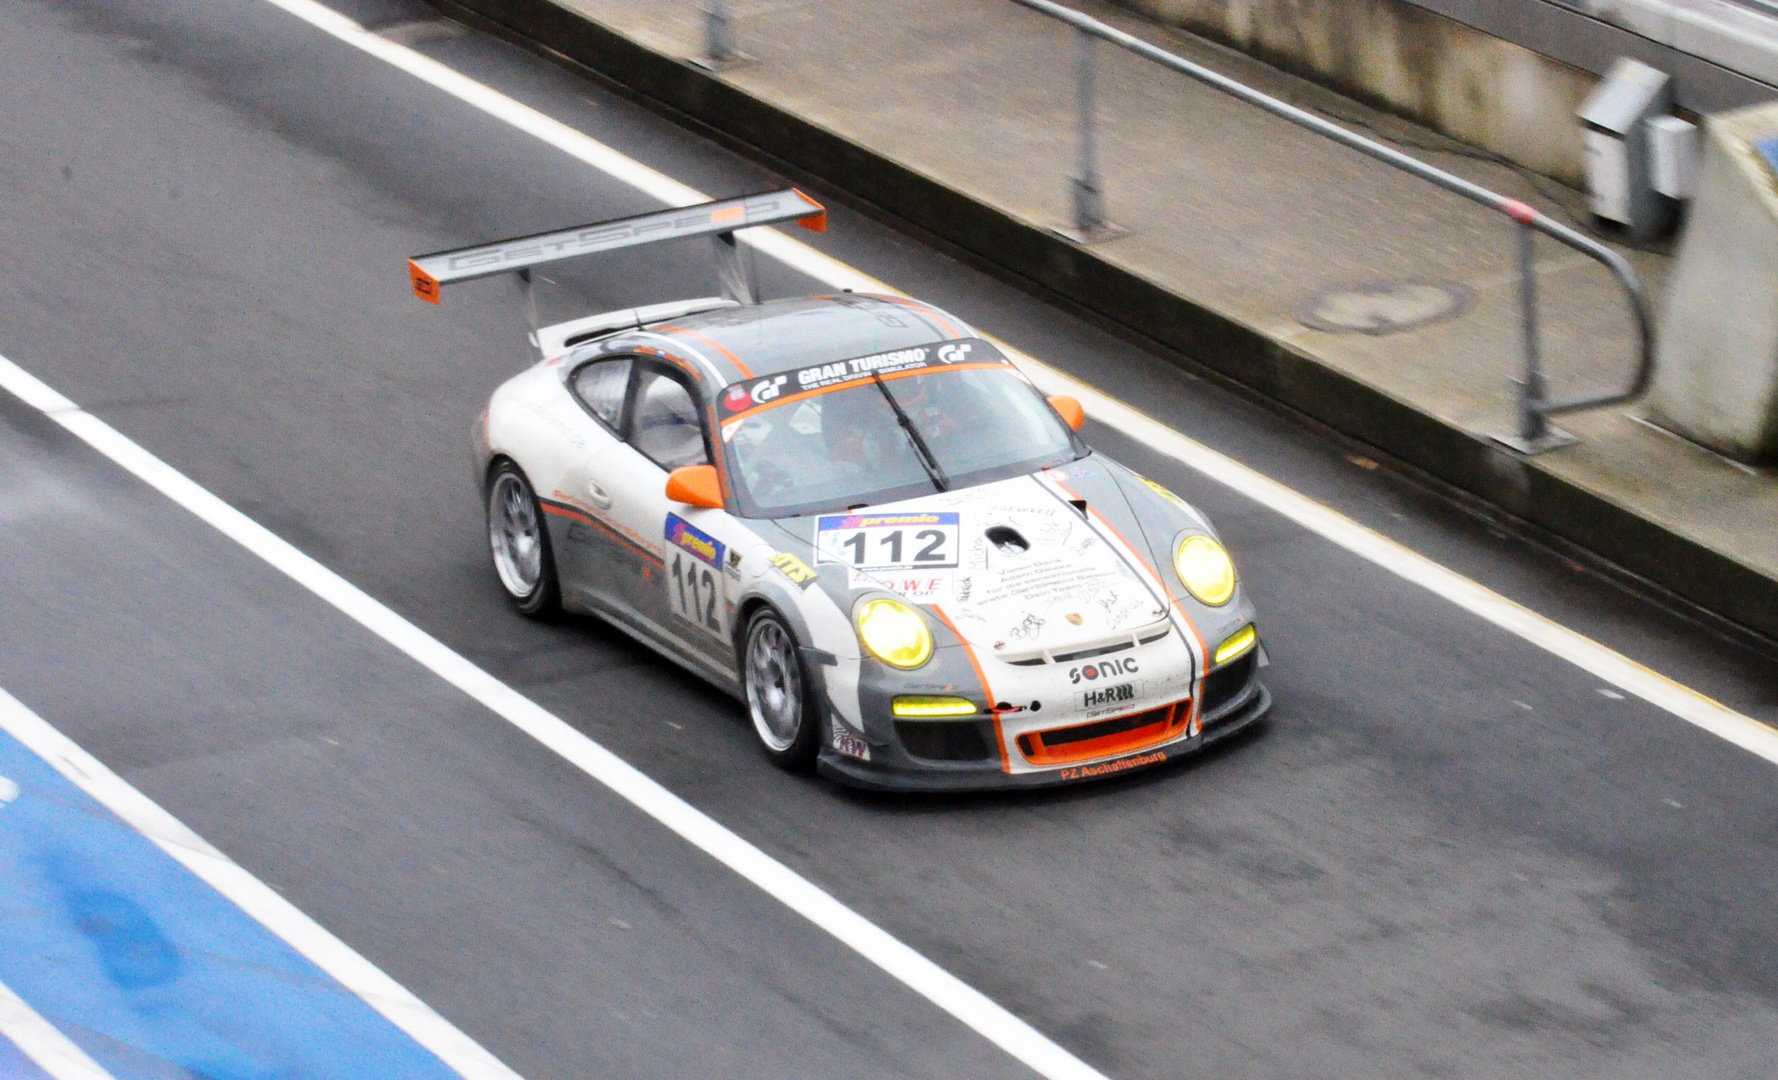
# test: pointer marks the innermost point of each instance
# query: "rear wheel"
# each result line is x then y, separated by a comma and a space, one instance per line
518, 540
778, 694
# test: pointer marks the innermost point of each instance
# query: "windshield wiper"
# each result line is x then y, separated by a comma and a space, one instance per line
921, 450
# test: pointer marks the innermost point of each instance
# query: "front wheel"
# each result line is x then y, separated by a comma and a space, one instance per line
518, 540
778, 693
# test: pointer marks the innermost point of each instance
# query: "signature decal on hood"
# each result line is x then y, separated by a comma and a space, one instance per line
1067, 587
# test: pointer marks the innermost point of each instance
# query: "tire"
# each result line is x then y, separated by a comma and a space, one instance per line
518, 542
780, 700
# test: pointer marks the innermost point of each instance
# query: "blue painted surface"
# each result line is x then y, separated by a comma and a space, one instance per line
152, 972
1768, 149
14, 1065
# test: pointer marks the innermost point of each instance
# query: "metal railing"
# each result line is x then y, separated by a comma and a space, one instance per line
1535, 433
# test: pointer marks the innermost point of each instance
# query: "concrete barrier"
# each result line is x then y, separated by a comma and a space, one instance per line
1716, 377
1397, 56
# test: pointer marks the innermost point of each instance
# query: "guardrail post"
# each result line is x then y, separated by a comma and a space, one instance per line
1535, 433
1532, 424
1089, 200
719, 32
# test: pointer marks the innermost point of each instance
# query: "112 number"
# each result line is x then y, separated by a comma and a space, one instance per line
931, 543
695, 593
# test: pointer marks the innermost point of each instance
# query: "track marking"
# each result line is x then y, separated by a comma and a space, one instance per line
802, 896
39, 1040
1578, 649
340, 961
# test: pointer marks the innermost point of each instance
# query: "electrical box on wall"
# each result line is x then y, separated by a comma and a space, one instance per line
1619, 173
1673, 157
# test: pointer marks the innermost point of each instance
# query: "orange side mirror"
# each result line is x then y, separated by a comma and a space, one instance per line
695, 485
1069, 410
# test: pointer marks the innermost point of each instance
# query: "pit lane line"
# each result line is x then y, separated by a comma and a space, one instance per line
962, 1001
1570, 645
41, 1044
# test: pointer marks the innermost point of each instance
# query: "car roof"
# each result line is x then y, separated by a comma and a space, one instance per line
738, 343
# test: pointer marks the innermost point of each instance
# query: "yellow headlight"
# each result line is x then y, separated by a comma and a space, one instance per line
1236, 644
894, 632
1204, 568
927, 707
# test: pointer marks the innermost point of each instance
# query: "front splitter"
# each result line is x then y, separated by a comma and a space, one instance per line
989, 777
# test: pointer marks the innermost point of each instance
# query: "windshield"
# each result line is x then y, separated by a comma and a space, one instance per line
892, 437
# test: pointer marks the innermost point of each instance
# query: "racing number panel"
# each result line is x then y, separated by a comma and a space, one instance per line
686, 596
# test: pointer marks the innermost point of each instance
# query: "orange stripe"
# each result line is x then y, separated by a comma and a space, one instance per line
680, 362
999, 736
746, 372
918, 306
848, 384
580, 516
567, 512
1203, 650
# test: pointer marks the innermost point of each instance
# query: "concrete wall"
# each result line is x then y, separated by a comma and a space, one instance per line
1478, 89
1716, 378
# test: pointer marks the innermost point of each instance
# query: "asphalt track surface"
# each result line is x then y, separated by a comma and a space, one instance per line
1447, 853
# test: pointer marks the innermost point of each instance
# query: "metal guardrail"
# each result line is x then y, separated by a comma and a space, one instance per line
1535, 434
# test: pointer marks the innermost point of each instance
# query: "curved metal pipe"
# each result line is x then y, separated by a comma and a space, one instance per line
1520, 212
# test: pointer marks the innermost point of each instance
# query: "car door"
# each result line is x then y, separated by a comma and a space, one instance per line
684, 594
596, 557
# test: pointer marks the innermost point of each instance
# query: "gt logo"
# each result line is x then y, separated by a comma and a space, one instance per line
1105, 668
767, 389
953, 354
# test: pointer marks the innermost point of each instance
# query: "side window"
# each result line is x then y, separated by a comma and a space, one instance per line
601, 386
666, 427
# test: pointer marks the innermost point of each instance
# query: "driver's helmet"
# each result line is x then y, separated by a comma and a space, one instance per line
848, 417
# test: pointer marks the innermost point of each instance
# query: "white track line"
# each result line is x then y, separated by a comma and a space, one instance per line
251, 895
919, 974
1620, 671
39, 1040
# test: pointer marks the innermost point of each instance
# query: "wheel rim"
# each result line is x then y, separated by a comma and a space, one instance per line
774, 685
515, 535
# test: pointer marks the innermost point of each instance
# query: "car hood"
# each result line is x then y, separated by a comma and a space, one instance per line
1074, 587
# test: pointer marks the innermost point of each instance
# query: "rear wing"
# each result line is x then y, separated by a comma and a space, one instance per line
719, 219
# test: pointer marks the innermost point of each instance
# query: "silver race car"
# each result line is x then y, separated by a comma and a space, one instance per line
856, 515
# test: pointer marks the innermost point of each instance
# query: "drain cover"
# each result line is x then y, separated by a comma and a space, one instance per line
1387, 307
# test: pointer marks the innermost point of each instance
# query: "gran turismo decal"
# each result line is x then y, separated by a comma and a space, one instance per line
746, 395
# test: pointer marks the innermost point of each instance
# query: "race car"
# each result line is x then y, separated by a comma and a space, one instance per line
857, 516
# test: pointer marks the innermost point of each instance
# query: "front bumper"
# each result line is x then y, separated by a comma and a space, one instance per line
1243, 710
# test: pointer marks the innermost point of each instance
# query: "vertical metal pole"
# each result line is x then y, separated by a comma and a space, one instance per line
719, 30
1089, 202
1532, 425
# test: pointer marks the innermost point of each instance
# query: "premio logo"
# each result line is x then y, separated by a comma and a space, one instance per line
682, 534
